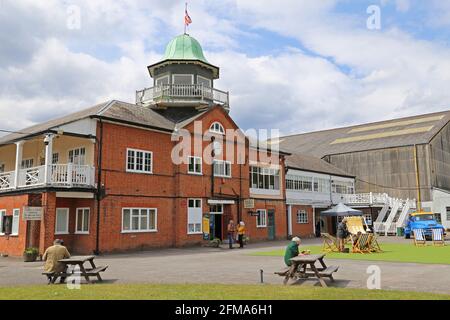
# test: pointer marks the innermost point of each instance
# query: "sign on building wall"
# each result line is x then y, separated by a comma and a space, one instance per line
249, 203
206, 227
32, 213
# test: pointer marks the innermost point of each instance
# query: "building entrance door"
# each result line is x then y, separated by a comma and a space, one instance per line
216, 226
271, 224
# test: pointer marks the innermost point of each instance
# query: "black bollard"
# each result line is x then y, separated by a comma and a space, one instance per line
262, 275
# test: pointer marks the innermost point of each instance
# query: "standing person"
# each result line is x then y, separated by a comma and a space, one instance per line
51, 257
231, 229
241, 234
318, 231
342, 233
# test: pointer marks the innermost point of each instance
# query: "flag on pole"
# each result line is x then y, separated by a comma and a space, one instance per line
187, 18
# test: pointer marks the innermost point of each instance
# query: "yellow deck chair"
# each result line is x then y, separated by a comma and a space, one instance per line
355, 225
330, 243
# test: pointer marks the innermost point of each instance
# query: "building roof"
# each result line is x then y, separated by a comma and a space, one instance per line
184, 47
379, 135
313, 164
115, 111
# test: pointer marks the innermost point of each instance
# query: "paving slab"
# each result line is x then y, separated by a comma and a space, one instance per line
237, 266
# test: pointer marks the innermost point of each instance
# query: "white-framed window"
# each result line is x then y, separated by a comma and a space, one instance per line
261, 218
183, 79
264, 178
15, 222
195, 165
27, 163
2, 214
216, 209
139, 161
62, 221
204, 81
139, 220
222, 168
341, 187
216, 127
82, 220
55, 158
164, 80
77, 156
302, 217
2, 167
194, 219
447, 213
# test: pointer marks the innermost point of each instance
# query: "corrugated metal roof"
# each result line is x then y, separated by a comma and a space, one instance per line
380, 135
313, 164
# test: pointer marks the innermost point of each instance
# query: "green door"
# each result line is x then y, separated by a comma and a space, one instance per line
271, 224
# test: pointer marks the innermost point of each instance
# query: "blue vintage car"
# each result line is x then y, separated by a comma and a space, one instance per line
422, 220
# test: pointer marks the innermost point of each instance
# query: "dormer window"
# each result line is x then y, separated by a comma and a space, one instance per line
216, 127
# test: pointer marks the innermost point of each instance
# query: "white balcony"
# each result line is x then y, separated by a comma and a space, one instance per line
59, 175
182, 94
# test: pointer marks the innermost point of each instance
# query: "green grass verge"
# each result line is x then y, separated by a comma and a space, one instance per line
393, 252
205, 292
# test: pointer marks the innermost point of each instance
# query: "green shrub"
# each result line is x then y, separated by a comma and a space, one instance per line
34, 251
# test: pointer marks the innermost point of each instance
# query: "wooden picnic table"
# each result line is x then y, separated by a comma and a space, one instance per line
79, 261
304, 266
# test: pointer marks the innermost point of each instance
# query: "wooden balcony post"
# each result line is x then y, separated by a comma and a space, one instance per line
18, 166
69, 174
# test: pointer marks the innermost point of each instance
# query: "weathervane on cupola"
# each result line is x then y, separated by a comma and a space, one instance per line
183, 78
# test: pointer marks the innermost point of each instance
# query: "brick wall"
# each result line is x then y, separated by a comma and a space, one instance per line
14, 245
302, 230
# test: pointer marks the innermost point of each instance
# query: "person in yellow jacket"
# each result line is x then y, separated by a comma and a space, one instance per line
241, 233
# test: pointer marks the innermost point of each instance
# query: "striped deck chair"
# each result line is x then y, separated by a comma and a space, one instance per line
438, 237
373, 243
419, 237
362, 244
330, 243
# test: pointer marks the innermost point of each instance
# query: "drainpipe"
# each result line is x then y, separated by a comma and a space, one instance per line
416, 165
213, 154
99, 188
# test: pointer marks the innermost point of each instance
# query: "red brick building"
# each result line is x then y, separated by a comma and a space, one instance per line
117, 176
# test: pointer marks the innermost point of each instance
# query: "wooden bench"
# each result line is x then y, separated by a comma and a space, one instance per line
303, 266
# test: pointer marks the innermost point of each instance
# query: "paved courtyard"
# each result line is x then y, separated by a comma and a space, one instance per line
211, 265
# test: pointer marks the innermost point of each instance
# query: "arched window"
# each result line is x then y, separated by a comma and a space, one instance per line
216, 127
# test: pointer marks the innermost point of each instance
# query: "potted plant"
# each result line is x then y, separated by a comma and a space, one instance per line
30, 254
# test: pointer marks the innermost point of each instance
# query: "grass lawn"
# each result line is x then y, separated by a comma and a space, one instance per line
204, 292
393, 252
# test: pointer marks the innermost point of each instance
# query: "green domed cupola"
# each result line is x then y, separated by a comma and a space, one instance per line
184, 47
183, 78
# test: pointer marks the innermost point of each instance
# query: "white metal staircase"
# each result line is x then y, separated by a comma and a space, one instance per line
389, 218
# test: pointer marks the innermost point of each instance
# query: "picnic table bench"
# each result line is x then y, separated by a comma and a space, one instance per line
304, 266
70, 269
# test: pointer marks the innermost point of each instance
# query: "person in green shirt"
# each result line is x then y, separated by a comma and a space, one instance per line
291, 250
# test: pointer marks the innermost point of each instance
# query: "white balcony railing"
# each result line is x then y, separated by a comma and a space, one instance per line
60, 175
182, 92
7, 180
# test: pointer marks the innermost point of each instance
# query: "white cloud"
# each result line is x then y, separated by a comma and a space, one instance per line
347, 74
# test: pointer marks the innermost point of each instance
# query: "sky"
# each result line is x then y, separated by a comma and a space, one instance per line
292, 65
